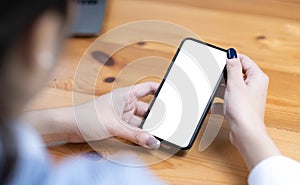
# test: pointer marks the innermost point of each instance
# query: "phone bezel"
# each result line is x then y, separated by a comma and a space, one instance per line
195, 133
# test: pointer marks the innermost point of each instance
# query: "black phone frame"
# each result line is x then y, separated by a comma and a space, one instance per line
209, 103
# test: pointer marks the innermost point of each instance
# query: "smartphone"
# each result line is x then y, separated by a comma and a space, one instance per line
186, 92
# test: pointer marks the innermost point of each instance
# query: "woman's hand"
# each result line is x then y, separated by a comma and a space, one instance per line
245, 101
118, 113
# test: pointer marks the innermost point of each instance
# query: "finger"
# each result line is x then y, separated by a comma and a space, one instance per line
138, 136
135, 121
141, 108
144, 89
248, 65
234, 71
130, 105
251, 70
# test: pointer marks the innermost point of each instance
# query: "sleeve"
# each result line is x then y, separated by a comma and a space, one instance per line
84, 171
276, 170
35, 168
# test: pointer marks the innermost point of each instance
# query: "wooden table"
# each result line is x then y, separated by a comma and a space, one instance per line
266, 30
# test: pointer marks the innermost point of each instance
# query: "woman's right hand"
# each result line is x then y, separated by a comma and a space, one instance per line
245, 100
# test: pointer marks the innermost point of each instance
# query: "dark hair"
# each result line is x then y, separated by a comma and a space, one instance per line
16, 18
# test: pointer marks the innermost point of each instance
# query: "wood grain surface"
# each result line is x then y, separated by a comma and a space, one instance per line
266, 30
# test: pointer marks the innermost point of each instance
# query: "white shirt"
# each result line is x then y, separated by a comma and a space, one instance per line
276, 170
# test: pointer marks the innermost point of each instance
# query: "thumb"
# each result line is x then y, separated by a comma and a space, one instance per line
138, 136
234, 71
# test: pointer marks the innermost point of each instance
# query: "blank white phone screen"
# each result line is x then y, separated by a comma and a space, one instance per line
185, 93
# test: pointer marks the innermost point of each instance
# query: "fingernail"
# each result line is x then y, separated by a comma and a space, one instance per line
231, 53
153, 143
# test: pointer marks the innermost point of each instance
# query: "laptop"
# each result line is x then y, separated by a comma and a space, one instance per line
89, 18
